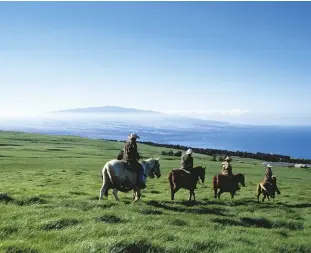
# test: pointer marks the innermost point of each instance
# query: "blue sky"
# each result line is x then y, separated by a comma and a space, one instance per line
245, 62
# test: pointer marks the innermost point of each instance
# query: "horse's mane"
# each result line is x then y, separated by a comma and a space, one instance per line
148, 160
197, 170
239, 174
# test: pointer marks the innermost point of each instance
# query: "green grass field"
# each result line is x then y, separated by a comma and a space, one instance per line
50, 185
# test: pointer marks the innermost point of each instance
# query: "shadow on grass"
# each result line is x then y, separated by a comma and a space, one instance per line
150, 211
259, 223
260, 205
56, 149
155, 192
30, 201
8, 145
4, 197
177, 222
60, 224
198, 208
111, 219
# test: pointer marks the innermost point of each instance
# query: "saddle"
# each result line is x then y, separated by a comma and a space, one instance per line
133, 167
225, 175
181, 172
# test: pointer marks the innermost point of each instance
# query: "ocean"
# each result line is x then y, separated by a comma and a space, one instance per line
294, 141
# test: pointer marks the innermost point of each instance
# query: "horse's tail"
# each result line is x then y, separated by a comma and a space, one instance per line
261, 185
215, 182
101, 174
258, 189
170, 179
107, 173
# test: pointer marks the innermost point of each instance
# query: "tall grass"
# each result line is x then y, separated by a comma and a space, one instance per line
49, 188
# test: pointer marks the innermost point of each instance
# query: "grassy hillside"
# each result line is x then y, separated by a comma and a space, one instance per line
49, 203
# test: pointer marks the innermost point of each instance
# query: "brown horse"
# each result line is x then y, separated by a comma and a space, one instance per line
180, 179
267, 190
227, 184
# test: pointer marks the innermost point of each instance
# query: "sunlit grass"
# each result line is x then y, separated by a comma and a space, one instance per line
50, 185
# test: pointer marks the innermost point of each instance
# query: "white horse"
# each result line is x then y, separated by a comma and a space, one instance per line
116, 176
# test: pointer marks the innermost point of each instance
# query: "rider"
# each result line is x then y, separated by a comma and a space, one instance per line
268, 175
131, 157
227, 169
187, 161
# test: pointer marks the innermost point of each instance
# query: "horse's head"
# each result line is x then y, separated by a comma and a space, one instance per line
200, 172
241, 179
152, 168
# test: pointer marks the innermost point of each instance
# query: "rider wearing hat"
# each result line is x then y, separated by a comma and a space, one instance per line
131, 157
227, 169
187, 161
268, 174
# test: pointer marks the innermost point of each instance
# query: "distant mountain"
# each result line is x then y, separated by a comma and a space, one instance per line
106, 109
169, 118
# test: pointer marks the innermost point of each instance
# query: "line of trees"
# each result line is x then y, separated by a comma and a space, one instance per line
172, 153
242, 154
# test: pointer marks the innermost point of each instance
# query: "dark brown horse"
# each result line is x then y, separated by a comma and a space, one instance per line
227, 184
267, 190
180, 179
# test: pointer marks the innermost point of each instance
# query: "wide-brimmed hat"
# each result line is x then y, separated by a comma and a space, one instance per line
269, 166
133, 136
228, 159
189, 151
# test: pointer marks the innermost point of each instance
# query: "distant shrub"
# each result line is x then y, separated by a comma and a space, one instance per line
171, 153
214, 158
178, 153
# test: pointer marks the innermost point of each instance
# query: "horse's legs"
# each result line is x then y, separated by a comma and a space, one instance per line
232, 195
219, 193
193, 195
268, 197
258, 197
215, 193
137, 195
103, 191
173, 192
115, 194
264, 197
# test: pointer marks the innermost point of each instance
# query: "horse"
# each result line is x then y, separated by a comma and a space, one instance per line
227, 184
117, 176
268, 190
180, 179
